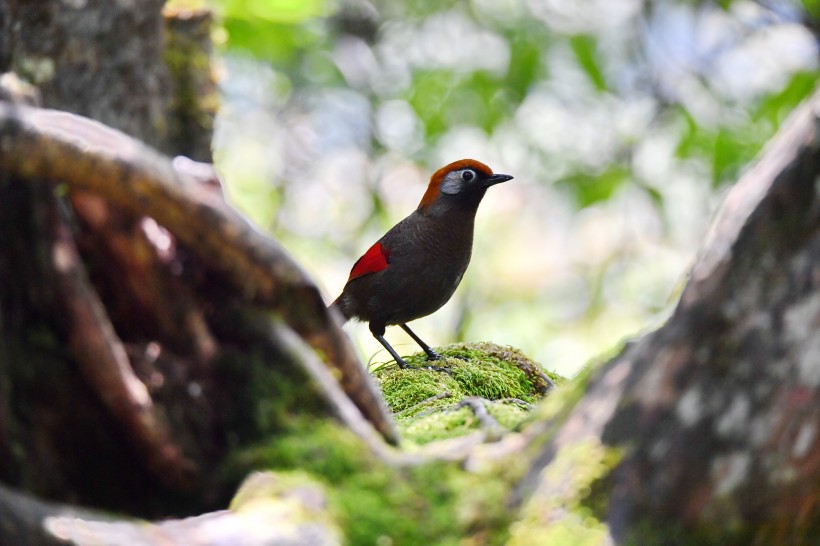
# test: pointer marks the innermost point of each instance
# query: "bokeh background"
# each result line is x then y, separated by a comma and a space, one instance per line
623, 121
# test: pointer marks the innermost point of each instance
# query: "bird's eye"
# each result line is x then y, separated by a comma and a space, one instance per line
468, 175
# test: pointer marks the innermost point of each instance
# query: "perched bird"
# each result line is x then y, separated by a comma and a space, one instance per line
416, 266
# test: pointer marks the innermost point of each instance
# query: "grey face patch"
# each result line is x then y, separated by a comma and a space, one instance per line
456, 181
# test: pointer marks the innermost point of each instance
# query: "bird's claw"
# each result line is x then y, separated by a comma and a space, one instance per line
431, 368
432, 355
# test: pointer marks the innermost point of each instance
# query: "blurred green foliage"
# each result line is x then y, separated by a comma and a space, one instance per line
585, 48
623, 121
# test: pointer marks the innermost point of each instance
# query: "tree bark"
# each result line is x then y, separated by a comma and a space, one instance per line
715, 417
102, 59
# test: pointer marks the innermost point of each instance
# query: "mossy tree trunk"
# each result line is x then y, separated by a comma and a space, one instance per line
711, 424
147, 369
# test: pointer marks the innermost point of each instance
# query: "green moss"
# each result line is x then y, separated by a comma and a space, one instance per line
326, 450
285, 504
405, 391
194, 100
425, 402
562, 510
265, 394
439, 426
373, 503
483, 369
436, 503
416, 506
508, 415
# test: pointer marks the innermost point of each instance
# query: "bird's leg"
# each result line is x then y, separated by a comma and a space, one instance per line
399, 360
431, 354
378, 332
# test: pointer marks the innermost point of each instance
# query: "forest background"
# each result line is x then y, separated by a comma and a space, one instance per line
623, 122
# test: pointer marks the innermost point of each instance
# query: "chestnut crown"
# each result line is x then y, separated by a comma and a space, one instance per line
460, 177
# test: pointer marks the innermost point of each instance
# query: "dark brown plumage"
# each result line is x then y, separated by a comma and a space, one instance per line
415, 267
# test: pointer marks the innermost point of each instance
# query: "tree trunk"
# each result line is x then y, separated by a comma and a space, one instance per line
712, 423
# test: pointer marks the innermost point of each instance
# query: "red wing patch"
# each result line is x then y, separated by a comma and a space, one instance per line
375, 259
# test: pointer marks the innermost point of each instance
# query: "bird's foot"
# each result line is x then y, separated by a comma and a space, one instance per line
432, 355
437, 369
405, 366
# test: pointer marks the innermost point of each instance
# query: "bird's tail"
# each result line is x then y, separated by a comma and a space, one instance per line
340, 306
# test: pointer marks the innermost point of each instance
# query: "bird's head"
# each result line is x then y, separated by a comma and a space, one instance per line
463, 181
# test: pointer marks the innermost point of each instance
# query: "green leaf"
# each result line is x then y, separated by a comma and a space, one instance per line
591, 188
774, 108
812, 8
526, 66
494, 101
277, 43
733, 150
428, 96
585, 48
276, 11
690, 133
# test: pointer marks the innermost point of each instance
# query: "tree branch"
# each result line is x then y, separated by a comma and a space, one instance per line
86, 155
104, 364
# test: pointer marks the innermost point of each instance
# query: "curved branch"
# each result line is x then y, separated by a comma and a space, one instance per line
86, 155
104, 364
269, 510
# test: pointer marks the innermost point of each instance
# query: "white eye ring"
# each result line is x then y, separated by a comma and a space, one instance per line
468, 175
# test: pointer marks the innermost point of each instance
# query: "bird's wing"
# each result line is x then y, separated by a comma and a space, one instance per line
374, 260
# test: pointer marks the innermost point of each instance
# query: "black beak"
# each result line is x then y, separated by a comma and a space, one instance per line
496, 179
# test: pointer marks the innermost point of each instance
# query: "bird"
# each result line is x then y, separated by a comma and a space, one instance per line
414, 269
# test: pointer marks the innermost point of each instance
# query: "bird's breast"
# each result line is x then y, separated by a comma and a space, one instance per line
426, 266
